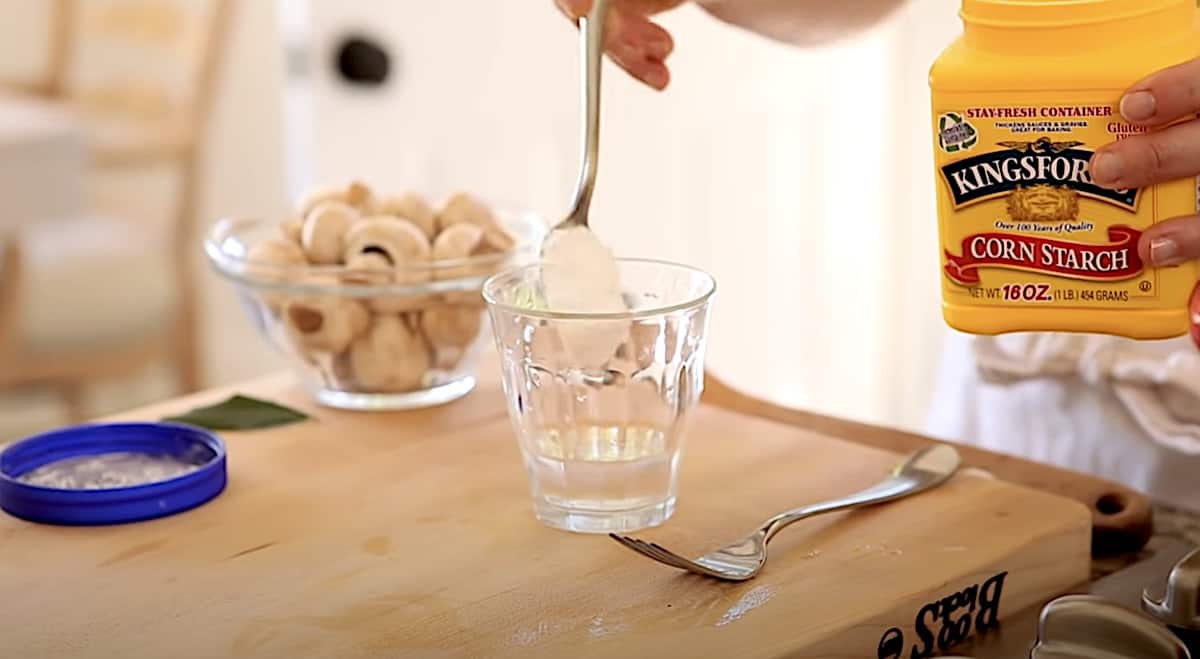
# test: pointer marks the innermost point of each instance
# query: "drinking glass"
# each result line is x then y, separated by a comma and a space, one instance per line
600, 401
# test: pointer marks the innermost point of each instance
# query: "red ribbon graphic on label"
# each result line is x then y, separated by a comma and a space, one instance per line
1112, 261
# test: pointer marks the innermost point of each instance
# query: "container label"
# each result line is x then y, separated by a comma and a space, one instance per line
1112, 261
1029, 165
1022, 223
955, 133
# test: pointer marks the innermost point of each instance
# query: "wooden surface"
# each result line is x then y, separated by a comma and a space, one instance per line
1122, 518
398, 535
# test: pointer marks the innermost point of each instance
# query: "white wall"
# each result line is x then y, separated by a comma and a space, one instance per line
244, 174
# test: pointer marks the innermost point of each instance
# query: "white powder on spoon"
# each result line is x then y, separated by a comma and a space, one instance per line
581, 276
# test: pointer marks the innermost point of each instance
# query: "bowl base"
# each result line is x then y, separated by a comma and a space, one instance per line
432, 397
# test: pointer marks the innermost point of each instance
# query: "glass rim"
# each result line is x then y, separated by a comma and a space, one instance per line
693, 302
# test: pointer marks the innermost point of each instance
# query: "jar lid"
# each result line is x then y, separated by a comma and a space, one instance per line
111, 473
1058, 13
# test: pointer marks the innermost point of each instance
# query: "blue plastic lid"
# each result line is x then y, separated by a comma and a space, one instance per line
196, 456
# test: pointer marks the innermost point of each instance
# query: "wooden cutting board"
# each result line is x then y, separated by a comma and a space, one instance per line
1122, 518
410, 535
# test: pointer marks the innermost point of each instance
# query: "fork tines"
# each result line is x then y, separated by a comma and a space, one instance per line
652, 550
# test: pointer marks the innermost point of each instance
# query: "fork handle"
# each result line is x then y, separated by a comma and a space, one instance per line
888, 490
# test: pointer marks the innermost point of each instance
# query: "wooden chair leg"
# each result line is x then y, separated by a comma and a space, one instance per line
72, 395
186, 356
186, 343
10, 287
64, 13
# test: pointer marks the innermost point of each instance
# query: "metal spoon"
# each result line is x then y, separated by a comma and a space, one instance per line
744, 559
591, 30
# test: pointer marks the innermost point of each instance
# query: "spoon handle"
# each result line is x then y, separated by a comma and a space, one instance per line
592, 31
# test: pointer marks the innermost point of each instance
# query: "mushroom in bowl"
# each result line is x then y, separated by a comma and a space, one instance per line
376, 302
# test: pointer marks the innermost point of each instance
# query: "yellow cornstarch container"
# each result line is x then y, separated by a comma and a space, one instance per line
1021, 100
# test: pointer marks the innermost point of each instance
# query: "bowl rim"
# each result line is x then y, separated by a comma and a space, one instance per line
324, 279
692, 302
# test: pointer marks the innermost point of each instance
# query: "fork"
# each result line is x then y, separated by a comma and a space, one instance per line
744, 559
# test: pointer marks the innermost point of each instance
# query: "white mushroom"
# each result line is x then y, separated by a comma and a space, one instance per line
470, 298
412, 207
402, 247
342, 373
497, 239
292, 229
462, 207
360, 196
325, 324
367, 268
324, 233
274, 253
268, 260
374, 269
390, 357
399, 241
451, 330
401, 303
412, 320
356, 194
459, 241
311, 200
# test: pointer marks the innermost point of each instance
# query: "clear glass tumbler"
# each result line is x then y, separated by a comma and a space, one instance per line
600, 401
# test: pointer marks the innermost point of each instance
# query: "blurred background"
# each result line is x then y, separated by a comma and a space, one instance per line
801, 178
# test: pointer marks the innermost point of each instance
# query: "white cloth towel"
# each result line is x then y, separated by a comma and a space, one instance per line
1128, 411
1158, 382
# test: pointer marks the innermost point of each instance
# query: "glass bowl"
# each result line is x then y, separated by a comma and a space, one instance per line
406, 337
